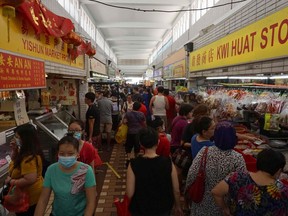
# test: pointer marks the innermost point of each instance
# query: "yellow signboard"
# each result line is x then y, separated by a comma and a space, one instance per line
265, 39
23, 40
179, 69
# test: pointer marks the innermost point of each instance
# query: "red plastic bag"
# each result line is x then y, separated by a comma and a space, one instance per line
197, 188
16, 200
250, 161
122, 206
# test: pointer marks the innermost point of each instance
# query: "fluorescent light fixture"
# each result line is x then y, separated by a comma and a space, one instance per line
249, 77
215, 78
279, 77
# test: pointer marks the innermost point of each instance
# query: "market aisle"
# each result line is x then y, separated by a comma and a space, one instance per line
113, 186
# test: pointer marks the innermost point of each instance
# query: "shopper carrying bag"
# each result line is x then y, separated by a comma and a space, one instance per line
197, 188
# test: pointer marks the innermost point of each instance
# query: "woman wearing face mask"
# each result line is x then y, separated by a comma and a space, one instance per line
87, 153
25, 170
72, 182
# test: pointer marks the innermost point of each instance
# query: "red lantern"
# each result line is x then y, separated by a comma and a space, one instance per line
91, 52
72, 38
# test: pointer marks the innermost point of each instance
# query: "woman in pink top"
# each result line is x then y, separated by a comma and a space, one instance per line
178, 125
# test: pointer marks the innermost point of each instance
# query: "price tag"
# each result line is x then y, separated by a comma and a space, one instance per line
8, 158
54, 110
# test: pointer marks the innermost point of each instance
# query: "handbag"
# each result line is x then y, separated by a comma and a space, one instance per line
182, 158
122, 206
197, 188
16, 200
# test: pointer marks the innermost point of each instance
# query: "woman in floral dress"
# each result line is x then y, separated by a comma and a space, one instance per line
221, 160
259, 193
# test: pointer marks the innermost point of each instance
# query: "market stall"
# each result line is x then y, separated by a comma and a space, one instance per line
257, 110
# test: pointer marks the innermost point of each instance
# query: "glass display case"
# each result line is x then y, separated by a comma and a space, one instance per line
65, 116
50, 130
5, 150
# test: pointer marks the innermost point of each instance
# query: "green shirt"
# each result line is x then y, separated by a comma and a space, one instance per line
69, 188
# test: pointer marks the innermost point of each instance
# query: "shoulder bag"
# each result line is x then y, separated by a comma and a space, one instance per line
197, 188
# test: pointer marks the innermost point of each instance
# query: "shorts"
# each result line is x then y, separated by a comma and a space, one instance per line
132, 141
106, 127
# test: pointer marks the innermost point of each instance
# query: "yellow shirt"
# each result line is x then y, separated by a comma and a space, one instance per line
35, 189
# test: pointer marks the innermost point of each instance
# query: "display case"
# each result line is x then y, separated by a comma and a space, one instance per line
5, 150
50, 129
65, 116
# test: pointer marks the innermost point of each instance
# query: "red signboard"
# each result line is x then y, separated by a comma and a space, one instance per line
21, 73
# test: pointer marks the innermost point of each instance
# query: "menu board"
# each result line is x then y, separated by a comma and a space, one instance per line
62, 91
21, 73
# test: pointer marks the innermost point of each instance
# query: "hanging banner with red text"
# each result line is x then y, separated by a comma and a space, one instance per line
21, 73
262, 40
43, 20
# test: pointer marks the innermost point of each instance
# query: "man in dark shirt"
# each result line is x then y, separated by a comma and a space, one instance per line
92, 127
136, 96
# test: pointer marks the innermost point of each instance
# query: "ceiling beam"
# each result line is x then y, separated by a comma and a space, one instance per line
141, 2
133, 38
133, 67
124, 49
132, 52
143, 45
142, 25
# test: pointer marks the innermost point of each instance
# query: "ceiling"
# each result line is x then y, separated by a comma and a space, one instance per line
132, 35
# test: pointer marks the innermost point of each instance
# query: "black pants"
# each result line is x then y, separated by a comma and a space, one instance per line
29, 212
132, 141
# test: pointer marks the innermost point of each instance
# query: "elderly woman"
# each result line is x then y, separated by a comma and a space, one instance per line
221, 160
259, 193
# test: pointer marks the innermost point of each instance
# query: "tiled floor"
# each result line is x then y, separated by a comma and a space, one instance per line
113, 186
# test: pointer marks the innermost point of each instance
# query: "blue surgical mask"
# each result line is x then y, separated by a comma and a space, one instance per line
77, 135
18, 142
67, 161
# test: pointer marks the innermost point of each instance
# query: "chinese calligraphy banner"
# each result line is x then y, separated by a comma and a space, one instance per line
24, 40
43, 20
21, 73
264, 39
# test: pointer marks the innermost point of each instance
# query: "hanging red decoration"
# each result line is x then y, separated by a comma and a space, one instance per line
91, 51
43, 20
72, 38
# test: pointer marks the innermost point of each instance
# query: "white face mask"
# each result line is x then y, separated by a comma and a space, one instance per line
18, 142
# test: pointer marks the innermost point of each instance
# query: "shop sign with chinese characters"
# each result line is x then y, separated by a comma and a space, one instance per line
21, 73
167, 71
179, 69
262, 40
25, 41
97, 66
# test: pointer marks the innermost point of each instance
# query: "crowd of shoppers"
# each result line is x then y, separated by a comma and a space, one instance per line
155, 182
